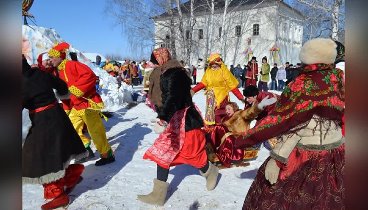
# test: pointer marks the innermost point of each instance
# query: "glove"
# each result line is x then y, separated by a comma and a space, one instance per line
272, 171
266, 102
159, 126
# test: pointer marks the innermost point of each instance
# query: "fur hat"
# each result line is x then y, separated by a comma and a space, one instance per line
319, 50
250, 91
340, 52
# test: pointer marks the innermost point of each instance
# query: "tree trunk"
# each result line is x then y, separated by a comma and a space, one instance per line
181, 31
191, 25
222, 40
209, 31
335, 19
172, 30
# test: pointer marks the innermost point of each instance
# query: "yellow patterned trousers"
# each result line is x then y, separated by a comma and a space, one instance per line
95, 127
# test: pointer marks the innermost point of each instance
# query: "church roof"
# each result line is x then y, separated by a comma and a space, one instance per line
201, 7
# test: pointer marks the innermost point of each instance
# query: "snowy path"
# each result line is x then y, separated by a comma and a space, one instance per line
116, 186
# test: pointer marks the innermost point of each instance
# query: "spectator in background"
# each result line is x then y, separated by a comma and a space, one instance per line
232, 69
98, 60
252, 74
237, 73
97, 84
265, 75
73, 56
273, 77
294, 72
281, 77
287, 69
194, 74
242, 76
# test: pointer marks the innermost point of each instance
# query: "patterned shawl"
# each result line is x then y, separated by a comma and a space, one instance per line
318, 90
162, 55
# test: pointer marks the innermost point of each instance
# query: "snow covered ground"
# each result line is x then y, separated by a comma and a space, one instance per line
116, 186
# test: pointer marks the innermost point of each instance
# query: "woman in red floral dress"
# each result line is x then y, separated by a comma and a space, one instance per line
305, 169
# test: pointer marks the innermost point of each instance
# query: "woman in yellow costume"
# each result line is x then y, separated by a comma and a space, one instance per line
218, 81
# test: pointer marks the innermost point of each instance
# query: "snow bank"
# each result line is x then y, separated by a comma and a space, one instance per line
40, 40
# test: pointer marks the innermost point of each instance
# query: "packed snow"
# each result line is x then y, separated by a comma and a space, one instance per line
129, 132
116, 186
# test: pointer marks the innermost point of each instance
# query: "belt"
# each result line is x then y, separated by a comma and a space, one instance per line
43, 108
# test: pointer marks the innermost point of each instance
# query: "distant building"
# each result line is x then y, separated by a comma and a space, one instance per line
258, 25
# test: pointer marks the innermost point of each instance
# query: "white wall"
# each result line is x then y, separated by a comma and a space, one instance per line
267, 17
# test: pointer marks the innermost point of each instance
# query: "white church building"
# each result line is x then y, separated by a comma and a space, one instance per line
257, 28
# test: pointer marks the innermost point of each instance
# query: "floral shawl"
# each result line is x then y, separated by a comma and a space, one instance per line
318, 90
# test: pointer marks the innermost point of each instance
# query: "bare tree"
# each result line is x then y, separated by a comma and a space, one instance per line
323, 16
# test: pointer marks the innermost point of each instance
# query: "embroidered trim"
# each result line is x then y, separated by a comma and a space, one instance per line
278, 157
321, 147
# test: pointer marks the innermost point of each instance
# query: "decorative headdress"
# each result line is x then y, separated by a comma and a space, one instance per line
59, 50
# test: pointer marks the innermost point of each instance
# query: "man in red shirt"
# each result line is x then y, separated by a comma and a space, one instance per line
85, 102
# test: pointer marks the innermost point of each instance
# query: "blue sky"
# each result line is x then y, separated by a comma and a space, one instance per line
83, 24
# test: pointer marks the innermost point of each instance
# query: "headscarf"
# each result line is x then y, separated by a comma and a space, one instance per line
162, 55
318, 90
215, 58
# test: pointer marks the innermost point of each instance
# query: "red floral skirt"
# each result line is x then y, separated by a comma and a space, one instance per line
312, 179
192, 153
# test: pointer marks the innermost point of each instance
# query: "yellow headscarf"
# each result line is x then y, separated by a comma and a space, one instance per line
221, 81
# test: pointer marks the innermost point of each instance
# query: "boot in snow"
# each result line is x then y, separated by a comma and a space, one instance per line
158, 194
60, 201
211, 176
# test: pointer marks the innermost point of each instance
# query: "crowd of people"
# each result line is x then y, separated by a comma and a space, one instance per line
251, 74
302, 127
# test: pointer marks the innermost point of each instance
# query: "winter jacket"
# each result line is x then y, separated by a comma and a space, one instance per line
81, 81
237, 72
281, 74
273, 73
175, 88
154, 91
265, 72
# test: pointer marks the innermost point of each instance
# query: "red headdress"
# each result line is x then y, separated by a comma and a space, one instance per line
59, 50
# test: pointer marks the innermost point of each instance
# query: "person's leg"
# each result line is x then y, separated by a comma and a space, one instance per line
75, 117
265, 86
97, 132
275, 84
160, 187
260, 85
162, 173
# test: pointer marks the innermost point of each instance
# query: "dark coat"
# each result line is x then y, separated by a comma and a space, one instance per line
274, 72
175, 88
52, 140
